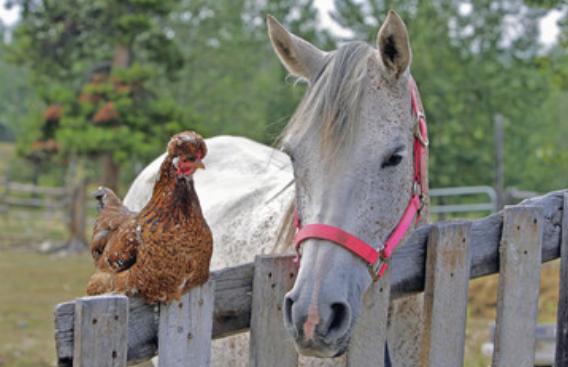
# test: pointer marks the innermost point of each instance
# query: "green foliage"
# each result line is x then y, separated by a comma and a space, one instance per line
208, 66
119, 115
198, 65
232, 82
63, 39
17, 97
470, 67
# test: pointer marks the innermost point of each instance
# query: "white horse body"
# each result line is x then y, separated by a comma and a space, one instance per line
242, 193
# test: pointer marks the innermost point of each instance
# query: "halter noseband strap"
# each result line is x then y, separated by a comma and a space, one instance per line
377, 260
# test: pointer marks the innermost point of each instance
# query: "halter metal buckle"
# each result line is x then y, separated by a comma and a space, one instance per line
418, 133
376, 267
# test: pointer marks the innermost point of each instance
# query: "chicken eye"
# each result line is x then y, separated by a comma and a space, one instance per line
392, 161
191, 158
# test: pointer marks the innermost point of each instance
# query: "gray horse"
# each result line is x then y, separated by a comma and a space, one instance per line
351, 147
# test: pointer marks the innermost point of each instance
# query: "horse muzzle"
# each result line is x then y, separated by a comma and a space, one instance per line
320, 329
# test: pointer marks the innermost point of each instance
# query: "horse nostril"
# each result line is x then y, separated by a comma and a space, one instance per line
288, 303
339, 319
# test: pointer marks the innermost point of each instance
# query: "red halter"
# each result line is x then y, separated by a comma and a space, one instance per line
377, 260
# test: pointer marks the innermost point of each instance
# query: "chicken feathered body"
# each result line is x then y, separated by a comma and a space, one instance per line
163, 251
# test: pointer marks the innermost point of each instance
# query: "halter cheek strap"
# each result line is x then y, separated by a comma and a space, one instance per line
377, 260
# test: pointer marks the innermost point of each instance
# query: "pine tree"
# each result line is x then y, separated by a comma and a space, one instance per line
66, 43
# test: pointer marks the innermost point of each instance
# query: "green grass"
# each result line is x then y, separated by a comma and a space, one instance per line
20, 227
32, 285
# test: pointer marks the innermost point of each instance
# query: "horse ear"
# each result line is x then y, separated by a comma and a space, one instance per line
393, 44
300, 57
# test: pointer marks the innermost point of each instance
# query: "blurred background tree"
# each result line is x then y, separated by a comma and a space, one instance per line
155, 67
94, 62
472, 60
126, 75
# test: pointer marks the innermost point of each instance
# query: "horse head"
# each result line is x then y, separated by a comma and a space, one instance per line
351, 142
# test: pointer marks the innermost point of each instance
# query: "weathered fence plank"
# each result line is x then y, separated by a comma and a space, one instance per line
561, 359
101, 331
64, 325
234, 285
233, 293
184, 338
270, 344
445, 295
368, 340
408, 260
519, 285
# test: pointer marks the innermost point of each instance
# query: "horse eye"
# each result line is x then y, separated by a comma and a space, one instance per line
392, 161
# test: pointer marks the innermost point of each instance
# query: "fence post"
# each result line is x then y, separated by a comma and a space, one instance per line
561, 359
445, 295
500, 160
270, 344
185, 331
367, 346
101, 331
519, 285
77, 218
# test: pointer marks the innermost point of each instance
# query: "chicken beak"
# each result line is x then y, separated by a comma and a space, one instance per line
198, 165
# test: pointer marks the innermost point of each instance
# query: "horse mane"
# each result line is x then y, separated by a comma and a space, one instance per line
329, 108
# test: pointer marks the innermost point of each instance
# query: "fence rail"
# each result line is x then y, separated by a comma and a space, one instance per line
535, 226
51, 197
69, 202
446, 192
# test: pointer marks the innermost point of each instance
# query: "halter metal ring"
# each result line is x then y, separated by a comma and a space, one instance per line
418, 133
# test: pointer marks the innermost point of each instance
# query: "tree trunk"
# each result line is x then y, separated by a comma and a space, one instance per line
122, 55
111, 172
77, 218
110, 168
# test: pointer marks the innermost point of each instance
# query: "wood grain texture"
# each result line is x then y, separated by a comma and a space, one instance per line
369, 336
233, 297
519, 285
102, 330
409, 260
270, 343
185, 328
233, 293
561, 358
445, 295
64, 319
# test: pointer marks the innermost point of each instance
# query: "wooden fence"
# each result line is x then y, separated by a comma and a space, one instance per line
38, 196
115, 331
69, 202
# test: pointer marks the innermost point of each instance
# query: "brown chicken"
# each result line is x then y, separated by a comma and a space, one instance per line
163, 251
